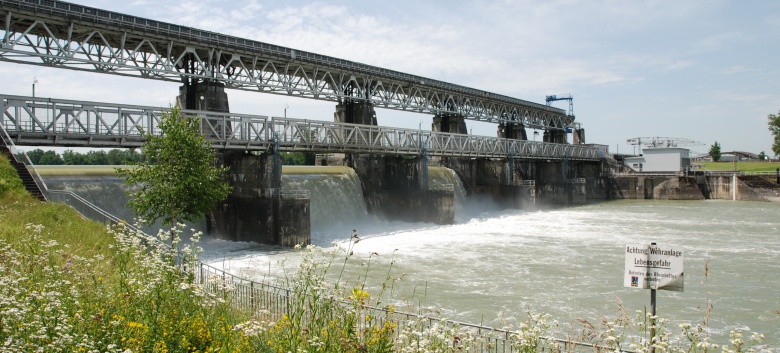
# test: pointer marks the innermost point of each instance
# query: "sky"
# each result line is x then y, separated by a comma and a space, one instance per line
701, 70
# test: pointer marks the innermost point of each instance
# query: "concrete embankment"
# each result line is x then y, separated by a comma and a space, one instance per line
697, 187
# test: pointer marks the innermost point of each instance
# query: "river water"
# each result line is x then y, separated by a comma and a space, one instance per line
494, 266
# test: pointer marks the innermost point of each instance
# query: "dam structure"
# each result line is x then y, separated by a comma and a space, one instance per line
392, 164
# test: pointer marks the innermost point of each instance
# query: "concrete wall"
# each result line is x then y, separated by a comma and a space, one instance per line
252, 212
680, 188
490, 177
658, 187
697, 187
355, 113
747, 188
395, 187
555, 183
512, 131
452, 123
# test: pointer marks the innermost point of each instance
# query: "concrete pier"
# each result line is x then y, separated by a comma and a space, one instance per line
578, 137
512, 131
554, 136
355, 113
452, 123
207, 96
500, 180
396, 187
256, 210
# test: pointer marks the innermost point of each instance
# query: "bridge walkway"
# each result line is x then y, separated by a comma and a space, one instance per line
69, 123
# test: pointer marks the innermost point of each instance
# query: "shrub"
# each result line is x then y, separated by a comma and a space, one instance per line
9, 179
128, 294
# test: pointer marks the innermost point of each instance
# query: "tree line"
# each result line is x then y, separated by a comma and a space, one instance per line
94, 157
129, 156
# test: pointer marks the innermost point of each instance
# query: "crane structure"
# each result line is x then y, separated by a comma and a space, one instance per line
663, 142
568, 97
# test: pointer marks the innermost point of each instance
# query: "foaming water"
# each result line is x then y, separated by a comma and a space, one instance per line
493, 265
569, 262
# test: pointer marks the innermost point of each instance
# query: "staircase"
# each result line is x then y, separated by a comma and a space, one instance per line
24, 174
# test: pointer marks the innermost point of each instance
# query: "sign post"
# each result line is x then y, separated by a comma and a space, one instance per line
652, 266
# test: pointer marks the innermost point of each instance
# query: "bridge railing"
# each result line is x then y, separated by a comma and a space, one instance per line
47, 121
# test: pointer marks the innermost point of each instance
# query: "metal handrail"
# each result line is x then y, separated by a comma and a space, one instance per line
287, 194
645, 174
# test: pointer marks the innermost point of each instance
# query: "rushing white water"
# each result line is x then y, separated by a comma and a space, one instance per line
493, 266
568, 262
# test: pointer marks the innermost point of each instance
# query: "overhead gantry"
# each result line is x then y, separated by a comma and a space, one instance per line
65, 35
70, 36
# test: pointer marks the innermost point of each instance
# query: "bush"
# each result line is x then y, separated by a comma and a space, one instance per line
9, 179
67, 284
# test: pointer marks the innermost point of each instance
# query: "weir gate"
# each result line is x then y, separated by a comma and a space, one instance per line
391, 163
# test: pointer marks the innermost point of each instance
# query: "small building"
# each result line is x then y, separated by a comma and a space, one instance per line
660, 159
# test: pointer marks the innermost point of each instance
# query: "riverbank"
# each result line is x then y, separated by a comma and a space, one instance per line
493, 283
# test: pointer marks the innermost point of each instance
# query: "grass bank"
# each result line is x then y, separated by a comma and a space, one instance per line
739, 166
72, 285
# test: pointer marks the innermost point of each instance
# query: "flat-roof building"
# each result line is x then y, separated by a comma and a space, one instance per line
660, 159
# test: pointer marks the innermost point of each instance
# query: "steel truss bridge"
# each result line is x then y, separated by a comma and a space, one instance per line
60, 34
54, 122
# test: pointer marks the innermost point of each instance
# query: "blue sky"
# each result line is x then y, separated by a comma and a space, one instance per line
703, 70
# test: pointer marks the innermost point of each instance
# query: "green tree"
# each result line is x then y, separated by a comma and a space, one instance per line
69, 157
762, 156
120, 156
184, 182
98, 157
50, 158
35, 155
715, 151
774, 127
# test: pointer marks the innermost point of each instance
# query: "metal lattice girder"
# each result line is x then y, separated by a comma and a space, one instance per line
65, 35
57, 122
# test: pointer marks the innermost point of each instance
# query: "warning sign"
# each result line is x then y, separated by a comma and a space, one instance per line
653, 266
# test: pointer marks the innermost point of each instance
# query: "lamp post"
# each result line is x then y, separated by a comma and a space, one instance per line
35, 80
286, 106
